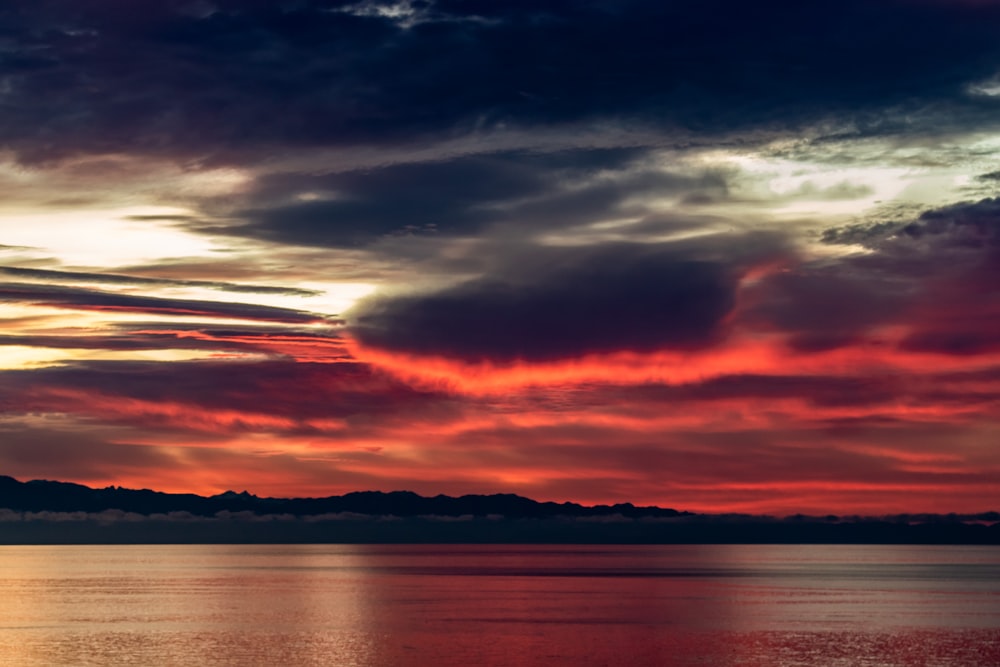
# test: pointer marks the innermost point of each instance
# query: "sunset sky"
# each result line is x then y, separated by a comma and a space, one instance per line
705, 254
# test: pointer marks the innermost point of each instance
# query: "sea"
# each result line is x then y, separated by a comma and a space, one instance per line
464, 605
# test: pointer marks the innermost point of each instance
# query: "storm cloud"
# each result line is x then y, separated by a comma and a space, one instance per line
198, 80
627, 298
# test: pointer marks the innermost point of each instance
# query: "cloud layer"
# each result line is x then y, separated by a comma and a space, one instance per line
708, 255
200, 80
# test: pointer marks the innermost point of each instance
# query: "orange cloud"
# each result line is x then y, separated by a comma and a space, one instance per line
740, 355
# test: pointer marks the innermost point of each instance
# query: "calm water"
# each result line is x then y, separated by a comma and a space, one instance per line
499, 605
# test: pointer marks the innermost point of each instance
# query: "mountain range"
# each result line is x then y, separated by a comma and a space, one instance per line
51, 512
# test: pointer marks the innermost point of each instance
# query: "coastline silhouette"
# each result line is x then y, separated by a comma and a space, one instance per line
51, 512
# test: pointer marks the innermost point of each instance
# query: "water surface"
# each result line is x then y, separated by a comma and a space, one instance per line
447, 605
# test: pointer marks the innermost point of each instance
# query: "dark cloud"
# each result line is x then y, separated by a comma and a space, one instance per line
877, 395
968, 224
817, 390
464, 193
965, 225
580, 301
287, 342
939, 275
200, 394
865, 233
87, 299
828, 305
134, 342
461, 195
120, 279
962, 338
159, 79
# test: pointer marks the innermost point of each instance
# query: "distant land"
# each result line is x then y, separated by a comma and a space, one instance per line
49, 512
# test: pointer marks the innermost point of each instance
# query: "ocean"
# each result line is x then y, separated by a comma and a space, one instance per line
457, 605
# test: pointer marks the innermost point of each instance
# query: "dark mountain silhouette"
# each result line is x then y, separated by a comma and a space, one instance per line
47, 512
47, 496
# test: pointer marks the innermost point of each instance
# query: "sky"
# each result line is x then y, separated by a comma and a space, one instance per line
712, 255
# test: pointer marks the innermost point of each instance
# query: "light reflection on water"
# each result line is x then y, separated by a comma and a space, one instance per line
377, 606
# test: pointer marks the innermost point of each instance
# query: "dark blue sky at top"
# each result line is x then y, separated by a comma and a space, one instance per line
224, 80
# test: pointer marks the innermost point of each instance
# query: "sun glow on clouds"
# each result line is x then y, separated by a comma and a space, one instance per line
850, 182
105, 237
796, 188
335, 298
330, 298
738, 357
23, 357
